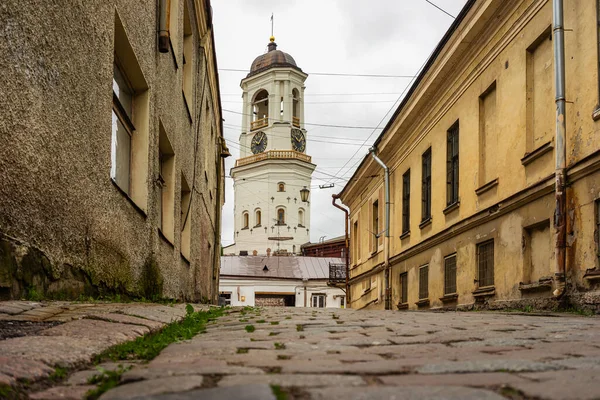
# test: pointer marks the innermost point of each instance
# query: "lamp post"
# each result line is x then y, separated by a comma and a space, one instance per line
304, 194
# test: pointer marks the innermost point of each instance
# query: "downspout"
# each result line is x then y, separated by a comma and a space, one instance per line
560, 211
386, 239
163, 33
346, 246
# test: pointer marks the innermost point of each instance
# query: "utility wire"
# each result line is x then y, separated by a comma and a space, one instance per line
441, 9
331, 74
232, 126
332, 94
306, 123
326, 102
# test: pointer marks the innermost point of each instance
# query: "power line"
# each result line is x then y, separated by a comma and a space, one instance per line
332, 74
306, 123
232, 126
333, 94
328, 102
441, 9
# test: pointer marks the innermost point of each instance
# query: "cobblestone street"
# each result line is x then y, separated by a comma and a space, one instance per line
271, 353
348, 354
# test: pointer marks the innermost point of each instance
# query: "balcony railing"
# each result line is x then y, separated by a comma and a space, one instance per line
273, 155
296, 122
259, 123
337, 273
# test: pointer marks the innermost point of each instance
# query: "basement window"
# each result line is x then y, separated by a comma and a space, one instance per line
485, 263
424, 282
404, 287
450, 274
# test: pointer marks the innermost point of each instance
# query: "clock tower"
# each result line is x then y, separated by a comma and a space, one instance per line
272, 177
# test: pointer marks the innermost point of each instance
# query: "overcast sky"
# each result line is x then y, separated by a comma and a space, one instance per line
387, 37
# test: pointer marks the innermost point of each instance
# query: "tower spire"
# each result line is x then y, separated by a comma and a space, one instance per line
272, 38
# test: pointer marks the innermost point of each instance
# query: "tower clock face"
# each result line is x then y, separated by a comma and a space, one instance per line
298, 140
259, 142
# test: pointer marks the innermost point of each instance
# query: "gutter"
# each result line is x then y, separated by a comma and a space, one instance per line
386, 239
346, 247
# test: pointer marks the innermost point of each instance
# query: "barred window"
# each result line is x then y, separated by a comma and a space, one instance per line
450, 274
406, 202
452, 165
404, 287
485, 262
424, 282
375, 216
426, 186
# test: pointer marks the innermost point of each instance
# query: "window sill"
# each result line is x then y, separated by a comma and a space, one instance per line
280, 224
243, 229
484, 292
258, 226
592, 274
425, 223
488, 186
542, 285
164, 238
449, 298
173, 54
451, 207
129, 199
184, 258
187, 106
530, 157
402, 306
301, 226
596, 113
422, 303
405, 235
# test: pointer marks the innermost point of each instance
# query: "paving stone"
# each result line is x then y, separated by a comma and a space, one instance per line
6, 380
362, 368
22, 369
128, 319
293, 380
108, 333
393, 393
182, 369
81, 377
242, 392
486, 366
473, 380
156, 312
580, 363
558, 385
63, 393
152, 387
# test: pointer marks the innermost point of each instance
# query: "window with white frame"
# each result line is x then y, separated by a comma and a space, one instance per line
318, 300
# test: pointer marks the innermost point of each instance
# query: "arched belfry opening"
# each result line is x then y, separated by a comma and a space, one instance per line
260, 109
296, 108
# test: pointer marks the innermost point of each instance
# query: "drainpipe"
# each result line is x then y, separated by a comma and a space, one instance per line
163, 33
386, 239
346, 246
560, 211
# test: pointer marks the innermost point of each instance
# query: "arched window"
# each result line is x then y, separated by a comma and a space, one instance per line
257, 218
280, 216
281, 187
295, 108
301, 217
260, 110
245, 220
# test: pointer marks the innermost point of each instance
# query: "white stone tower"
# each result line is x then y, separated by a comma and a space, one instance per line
273, 168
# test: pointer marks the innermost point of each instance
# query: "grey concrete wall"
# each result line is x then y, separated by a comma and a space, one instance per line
64, 225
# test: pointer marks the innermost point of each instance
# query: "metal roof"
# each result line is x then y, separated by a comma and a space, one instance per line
292, 267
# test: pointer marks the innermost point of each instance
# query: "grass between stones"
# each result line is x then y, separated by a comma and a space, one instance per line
279, 394
149, 346
250, 328
105, 380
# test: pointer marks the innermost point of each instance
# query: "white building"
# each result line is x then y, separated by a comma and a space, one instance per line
279, 281
273, 168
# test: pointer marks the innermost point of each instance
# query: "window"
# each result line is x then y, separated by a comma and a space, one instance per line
173, 25
280, 216
318, 300
166, 182
537, 245
188, 49
186, 218
424, 282
406, 202
245, 220
597, 203
426, 186
342, 301
295, 108
301, 218
540, 91
488, 138
122, 129
257, 218
366, 284
355, 243
375, 226
450, 274
404, 287
281, 187
130, 122
485, 262
260, 110
452, 166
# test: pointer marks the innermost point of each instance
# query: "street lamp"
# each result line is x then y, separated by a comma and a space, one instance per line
304, 194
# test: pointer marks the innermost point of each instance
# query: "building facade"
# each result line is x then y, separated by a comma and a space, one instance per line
292, 281
273, 172
471, 157
110, 149
335, 247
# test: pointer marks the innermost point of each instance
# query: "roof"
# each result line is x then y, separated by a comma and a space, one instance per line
432, 58
328, 241
293, 267
272, 59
